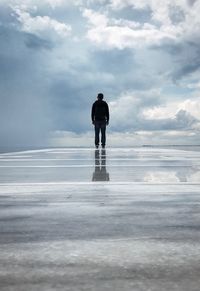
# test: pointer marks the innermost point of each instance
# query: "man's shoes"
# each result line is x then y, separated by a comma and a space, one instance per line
103, 146
97, 146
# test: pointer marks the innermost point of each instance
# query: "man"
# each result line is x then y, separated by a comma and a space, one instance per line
100, 118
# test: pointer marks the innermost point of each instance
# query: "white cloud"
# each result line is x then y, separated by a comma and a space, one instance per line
126, 110
119, 4
171, 21
54, 3
121, 34
126, 37
179, 133
29, 4
95, 18
154, 5
41, 25
130, 112
191, 106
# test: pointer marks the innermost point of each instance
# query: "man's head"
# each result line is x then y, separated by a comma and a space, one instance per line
100, 96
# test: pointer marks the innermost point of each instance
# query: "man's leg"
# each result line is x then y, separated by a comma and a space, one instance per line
97, 130
103, 134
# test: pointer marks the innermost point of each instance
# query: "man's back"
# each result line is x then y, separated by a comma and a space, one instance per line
100, 111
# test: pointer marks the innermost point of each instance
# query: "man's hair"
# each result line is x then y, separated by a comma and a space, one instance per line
100, 96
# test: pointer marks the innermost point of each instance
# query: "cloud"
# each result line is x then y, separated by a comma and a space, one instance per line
171, 22
41, 25
24, 110
178, 122
37, 4
121, 34
183, 120
192, 106
191, 2
35, 42
172, 28
55, 56
126, 110
132, 112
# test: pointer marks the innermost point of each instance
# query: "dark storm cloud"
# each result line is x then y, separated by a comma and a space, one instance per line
187, 69
70, 103
115, 61
191, 2
185, 58
24, 110
34, 98
6, 15
35, 42
64, 97
124, 67
187, 63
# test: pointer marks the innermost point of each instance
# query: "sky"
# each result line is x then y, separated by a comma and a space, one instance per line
56, 56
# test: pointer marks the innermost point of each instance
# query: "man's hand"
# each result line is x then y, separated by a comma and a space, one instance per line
107, 122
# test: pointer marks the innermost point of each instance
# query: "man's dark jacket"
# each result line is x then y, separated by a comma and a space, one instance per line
100, 111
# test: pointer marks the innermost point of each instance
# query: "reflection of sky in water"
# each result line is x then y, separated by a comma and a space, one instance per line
156, 174
126, 165
181, 175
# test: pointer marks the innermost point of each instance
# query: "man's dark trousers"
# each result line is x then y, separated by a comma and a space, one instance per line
100, 126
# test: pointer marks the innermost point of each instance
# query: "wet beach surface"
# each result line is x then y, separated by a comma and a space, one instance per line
86, 219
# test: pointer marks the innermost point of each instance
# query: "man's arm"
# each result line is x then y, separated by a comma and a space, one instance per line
107, 113
92, 113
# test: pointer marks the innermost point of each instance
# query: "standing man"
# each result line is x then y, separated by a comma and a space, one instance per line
100, 118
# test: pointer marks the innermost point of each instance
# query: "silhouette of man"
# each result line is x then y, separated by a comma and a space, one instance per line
100, 118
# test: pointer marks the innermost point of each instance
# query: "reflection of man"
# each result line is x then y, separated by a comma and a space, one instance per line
100, 173
100, 118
